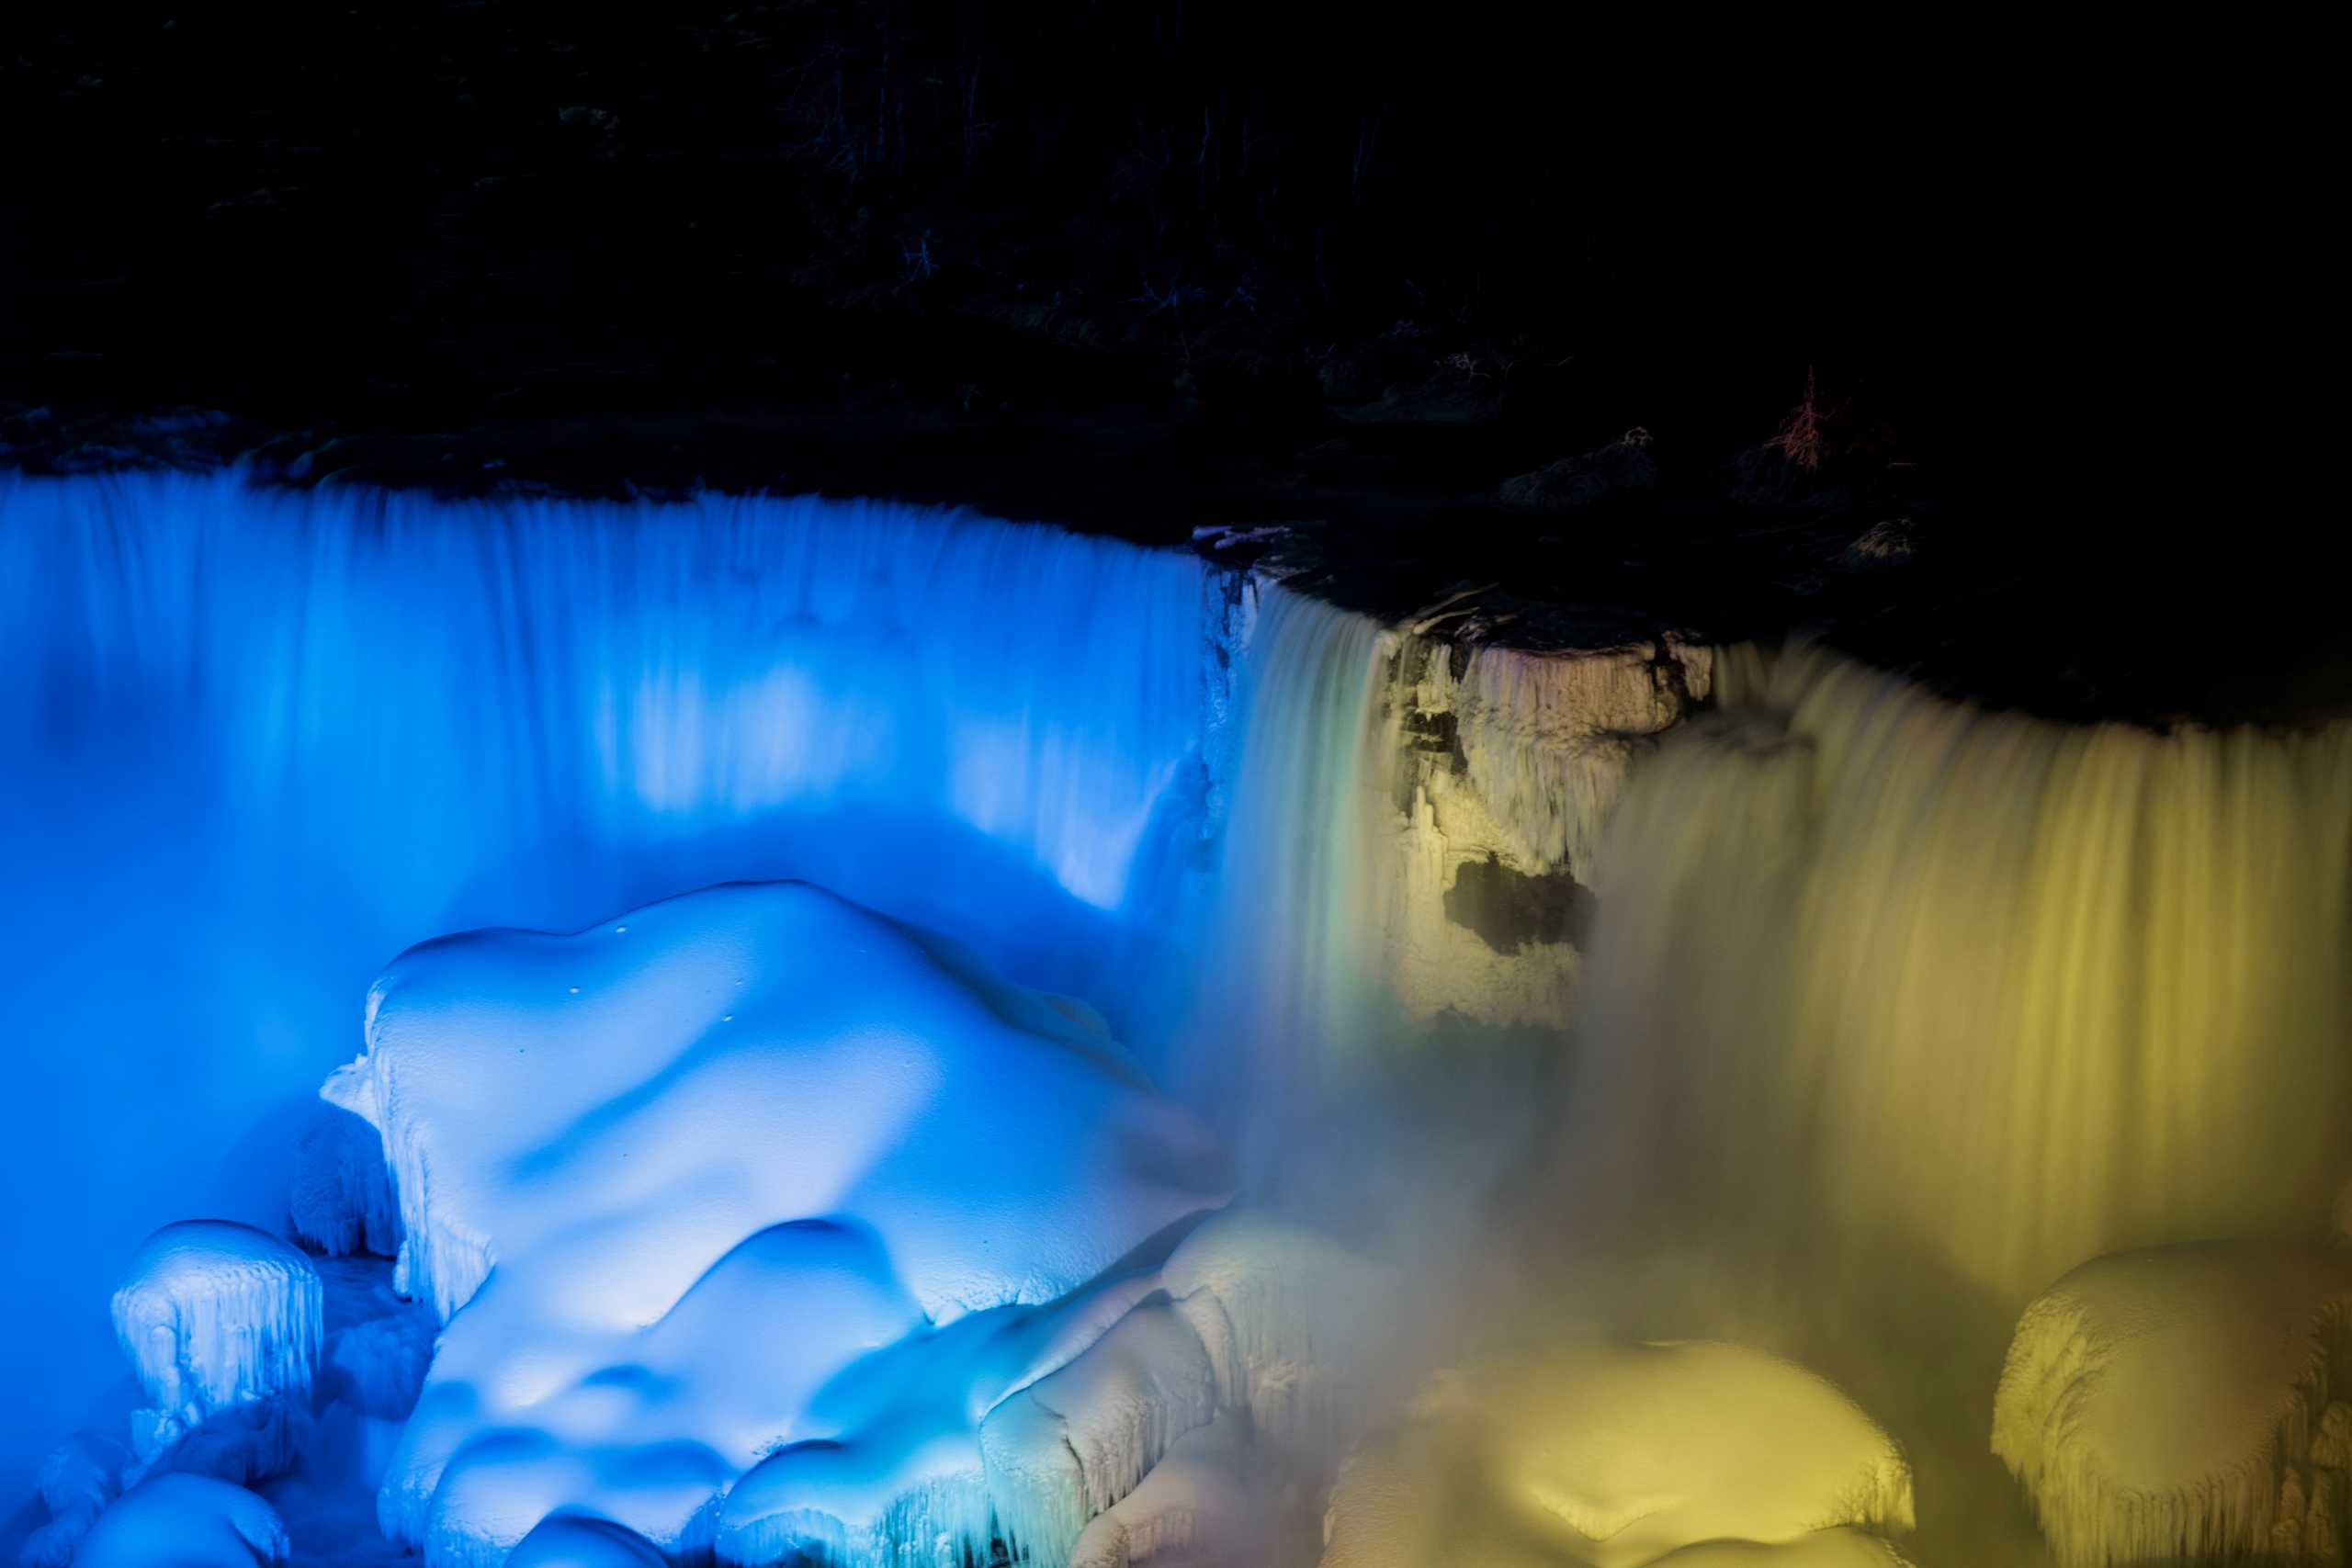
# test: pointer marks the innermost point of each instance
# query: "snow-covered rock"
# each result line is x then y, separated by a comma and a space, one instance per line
2178, 1402
1615, 1455
223, 1323
185, 1521
622, 1157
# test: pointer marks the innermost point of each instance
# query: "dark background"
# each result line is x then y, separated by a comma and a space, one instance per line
1143, 266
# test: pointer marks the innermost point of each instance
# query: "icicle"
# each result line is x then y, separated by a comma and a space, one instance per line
940, 1523
1203, 1501
1068, 1447
343, 1201
223, 1321
1290, 1322
2158, 1403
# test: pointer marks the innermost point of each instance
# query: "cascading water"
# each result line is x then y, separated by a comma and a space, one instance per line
256, 742
1291, 954
1889, 975
1860, 975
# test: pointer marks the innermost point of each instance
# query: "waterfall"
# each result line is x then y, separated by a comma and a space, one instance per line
1877, 971
253, 743
1290, 933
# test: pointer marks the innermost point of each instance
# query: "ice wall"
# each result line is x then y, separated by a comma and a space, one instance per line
1966, 993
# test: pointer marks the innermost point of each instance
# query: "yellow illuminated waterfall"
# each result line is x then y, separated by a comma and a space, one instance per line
1907, 980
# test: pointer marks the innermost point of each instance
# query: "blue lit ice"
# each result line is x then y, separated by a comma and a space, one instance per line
831, 1236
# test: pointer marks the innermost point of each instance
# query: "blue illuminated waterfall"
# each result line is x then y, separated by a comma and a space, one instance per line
257, 742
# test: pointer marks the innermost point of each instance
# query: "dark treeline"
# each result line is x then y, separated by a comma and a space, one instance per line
451, 201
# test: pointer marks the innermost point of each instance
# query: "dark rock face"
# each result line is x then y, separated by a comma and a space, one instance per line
1574, 484
1511, 908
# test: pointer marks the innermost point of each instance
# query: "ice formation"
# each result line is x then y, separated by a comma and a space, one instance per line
1069, 1446
342, 1200
1616, 1455
895, 1472
2009, 993
620, 1155
2185, 1402
80, 1476
1514, 756
582, 1540
1294, 1325
1202, 1506
187, 1521
223, 1323
1035, 1426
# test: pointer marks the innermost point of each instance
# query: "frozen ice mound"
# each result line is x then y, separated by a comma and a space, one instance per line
1292, 1323
223, 1323
185, 1521
78, 1479
899, 1478
1841, 1548
1071, 1444
2181, 1402
623, 1158
1072, 1432
1614, 1455
584, 1540
1200, 1508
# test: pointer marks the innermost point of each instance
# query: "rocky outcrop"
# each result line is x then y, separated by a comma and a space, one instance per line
1508, 759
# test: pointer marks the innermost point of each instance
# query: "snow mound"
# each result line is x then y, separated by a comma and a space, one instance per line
342, 1200
2177, 1401
622, 1157
1069, 1446
896, 1475
80, 1476
223, 1323
582, 1540
1615, 1455
1289, 1319
1841, 1548
1197, 1507
186, 1521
